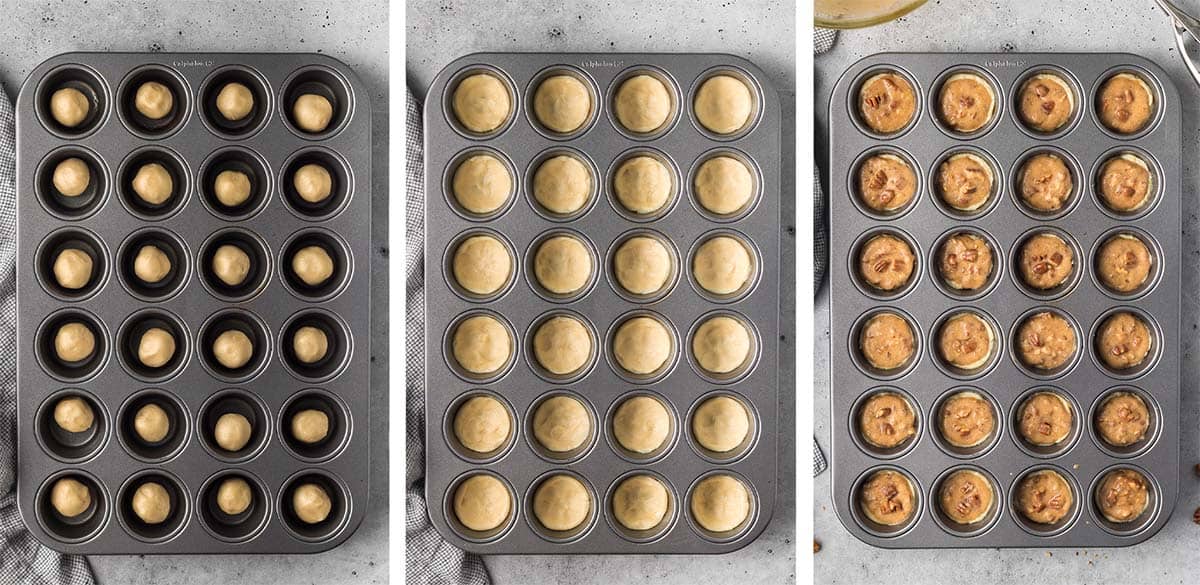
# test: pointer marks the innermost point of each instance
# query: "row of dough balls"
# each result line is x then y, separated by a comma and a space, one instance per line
719, 503
563, 185
643, 104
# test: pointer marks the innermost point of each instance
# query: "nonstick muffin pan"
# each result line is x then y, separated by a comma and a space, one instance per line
521, 463
194, 143
1084, 382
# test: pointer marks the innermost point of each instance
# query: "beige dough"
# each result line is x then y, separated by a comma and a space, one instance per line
310, 426
641, 424
721, 345
642, 345
482, 103
73, 268
643, 104
562, 345
232, 188
642, 265
482, 503
312, 113
151, 264
231, 264
70, 497
74, 342
562, 103
720, 503
482, 265
313, 183
561, 502
232, 432
311, 503
313, 265
153, 183
69, 107
723, 185
722, 265
73, 414
562, 265
233, 349
562, 184
234, 496
71, 177
482, 424
482, 184
561, 424
309, 344
643, 184
640, 502
723, 104
156, 347
720, 424
154, 100
151, 423
151, 503
482, 345
235, 101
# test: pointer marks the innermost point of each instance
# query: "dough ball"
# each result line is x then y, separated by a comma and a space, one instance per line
482, 265
232, 432
231, 264
313, 183
153, 183
151, 423
642, 265
642, 345
723, 104
312, 265
562, 265
482, 424
312, 113
482, 184
720, 503
643, 104
640, 502
481, 103
71, 177
720, 424
561, 502
69, 107
233, 349
562, 103
722, 265
641, 424
232, 188
482, 503
73, 268
156, 347
151, 265
310, 426
70, 497
562, 345
311, 503
73, 414
643, 184
310, 344
481, 345
723, 185
74, 342
154, 100
721, 345
234, 496
562, 184
152, 503
561, 424
235, 101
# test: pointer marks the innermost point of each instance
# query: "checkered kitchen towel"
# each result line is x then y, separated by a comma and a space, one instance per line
22, 559
823, 40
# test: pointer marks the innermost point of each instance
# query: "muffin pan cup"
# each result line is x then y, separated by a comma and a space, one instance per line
1084, 460
602, 303
185, 225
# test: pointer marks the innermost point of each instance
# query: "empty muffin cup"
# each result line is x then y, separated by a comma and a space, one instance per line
234, 345
153, 101
316, 183
234, 102
72, 182
1059, 515
72, 425
314, 425
153, 506
315, 505
235, 183
887, 422
715, 510
72, 345
235, 264
71, 101
635, 500
1125, 421
233, 425
315, 264
480, 426
72, 506
722, 426
315, 345
153, 345
316, 102
1046, 422
153, 264
234, 505
72, 264
153, 183
642, 426
153, 425
561, 507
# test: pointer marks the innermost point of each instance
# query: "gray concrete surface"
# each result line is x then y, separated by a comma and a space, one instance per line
355, 32
763, 31
1135, 26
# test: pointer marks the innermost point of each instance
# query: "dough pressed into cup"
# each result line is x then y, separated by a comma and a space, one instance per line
721, 424
643, 184
642, 345
721, 345
562, 265
481, 103
562, 103
71, 177
482, 264
641, 424
723, 185
722, 265
562, 184
482, 503
720, 503
481, 345
723, 104
482, 184
561, 503
640, 502
561, 424
562, 345
643, 265
73, 268
73, 414
1047, 261
643, 104
482, 424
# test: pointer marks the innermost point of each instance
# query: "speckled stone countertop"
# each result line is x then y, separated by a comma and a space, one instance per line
761, 30
353, 32
1135, 26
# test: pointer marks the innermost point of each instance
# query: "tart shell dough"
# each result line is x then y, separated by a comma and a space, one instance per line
231, 264
153, 183
887, 103
562, 103
1124, 341
722, 265
156, 347
233, 349
71, 177
888, 498
643, 104
966, 419
69, 107
312, 113
721, 424
886, 182
151, 503
70, 497
887, 420
640, 502
234, 496
73, 268
232, 432
723, 104
642, 345
482, 265
313, 265
1123, 419
562, 345
482, 345
562, 265
73, 414
561, 424
562, 184
887, 341
723, 185
151, 423
886, 262
643, 184
310, 344
1045, 419
74, 342
1044, 497
641, 424
482, 503
311, 503
482, 184
152, 265
642, 265
481, 103
310, 426
232, 188
235, 101
720, 503
482, 424
154, 100
561, 503
1047, 341
313, 183
721, 345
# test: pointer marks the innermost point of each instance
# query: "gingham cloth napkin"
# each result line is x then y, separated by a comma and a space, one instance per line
823, 40
22, 558
429, 559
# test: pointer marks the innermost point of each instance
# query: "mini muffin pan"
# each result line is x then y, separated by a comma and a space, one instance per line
110, 223
1082, 458
521, 225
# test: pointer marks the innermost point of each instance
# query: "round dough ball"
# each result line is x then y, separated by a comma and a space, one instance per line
482, 424
640, 502
151, 503
561, 503
73, 414
69, 107
641, 424
721, 345
562, 103
231, 264
156, 347
562, 184
309, 344
642, 345
71, 177
232, 432
723, 185
481, 103
153, 183
73, 268
721, 424
151, 264
311, 503
151, 423
235, 101
722, 265
482, 503
234, 496
723, 104
313, 265
561, 424
720, 503
562, 265
232, 188
154, 100
643, 104
482, 184
70, 497
643, 184
482, 345
562, 345
310, 426
74, 342
312, 113
313, 183
642, 265
233, 349
482, 265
